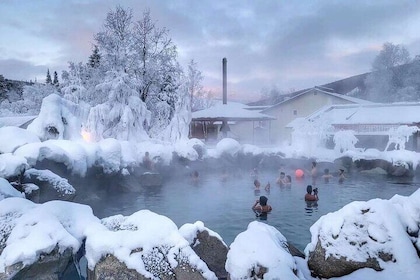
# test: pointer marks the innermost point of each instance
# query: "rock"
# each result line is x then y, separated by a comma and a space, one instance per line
212, 251
47, 267
150, 179
111, 268
327, 267
295, 252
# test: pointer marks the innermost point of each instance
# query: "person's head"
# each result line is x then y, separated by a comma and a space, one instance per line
263, 200
341, 171
146, 154
326, 171
289, 178
257, 183
195, 174
309, 189
313, 164
282, 174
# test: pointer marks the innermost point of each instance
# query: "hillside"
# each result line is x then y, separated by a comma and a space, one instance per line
11, 89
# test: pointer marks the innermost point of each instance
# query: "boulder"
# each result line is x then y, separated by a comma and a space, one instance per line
111, 268
328, 266
212, 251
47, 267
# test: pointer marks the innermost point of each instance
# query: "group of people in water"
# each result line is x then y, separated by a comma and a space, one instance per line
261, 207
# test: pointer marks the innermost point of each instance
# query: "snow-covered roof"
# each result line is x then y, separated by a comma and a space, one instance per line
375, 113
342, 96
15, 120
232, 111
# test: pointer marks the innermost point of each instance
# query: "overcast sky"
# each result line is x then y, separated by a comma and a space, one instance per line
289, 44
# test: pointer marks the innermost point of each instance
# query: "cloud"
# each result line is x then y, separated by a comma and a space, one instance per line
22, 70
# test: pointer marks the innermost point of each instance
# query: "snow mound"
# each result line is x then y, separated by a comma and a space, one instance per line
58, 119
145, 241
189, 232
363, 230
12, 137
260, 245
60, 184
30, 230
7, 190
11, 165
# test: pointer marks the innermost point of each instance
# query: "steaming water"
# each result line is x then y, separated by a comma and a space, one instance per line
225, 207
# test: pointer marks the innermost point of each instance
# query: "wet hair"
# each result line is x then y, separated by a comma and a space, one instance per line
326, 171
289, 177
309, 189
256, 182
313, 163
282, 173
263, 200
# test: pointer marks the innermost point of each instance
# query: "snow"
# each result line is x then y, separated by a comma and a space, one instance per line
7, 190
122, 236
189, 231
363, 230
12, 165
263, 245
13, 137
231, 111
60, 184
35, 229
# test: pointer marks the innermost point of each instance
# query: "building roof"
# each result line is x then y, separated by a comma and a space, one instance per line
324, 91
232, 111
375, 113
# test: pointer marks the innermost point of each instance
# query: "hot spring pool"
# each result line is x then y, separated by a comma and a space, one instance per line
225, 207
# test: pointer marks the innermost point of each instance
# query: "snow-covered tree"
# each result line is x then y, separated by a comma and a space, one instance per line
399, 136
48, 80
95, 58
123, 116
390, 56
55, 80
344, 140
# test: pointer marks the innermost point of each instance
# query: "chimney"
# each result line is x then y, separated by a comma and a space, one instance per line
224, 61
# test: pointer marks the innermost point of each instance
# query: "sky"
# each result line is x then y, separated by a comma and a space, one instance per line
291, 45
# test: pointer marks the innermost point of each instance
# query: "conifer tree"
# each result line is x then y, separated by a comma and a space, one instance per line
55, 80
48, 80
94, 58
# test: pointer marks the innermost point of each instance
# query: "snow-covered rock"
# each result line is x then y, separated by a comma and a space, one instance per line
377, 234
7, 190
12, 137
12, 165
208, 245
144, 244
260, 252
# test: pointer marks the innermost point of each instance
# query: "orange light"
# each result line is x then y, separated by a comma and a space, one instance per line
86, 136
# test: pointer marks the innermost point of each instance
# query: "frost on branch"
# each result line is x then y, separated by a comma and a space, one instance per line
400, 135
123, 116
345, 140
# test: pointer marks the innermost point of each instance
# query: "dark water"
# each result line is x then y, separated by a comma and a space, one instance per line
225, 207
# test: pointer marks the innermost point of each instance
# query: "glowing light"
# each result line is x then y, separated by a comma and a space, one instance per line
299, 173
86, 136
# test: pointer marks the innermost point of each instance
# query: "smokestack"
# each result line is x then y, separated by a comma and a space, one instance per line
224, 61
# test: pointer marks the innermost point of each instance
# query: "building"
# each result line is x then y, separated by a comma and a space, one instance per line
300, 106
234, 120
371, 123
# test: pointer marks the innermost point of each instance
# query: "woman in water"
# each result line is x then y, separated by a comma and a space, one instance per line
261, 208
309, 196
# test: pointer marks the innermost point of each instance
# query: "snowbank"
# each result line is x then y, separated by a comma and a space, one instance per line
7, 190
261, 245
12, 165
30, 229
12, 137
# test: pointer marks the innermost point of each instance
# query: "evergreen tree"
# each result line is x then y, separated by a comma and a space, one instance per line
48, 80
94, 58
55, 81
